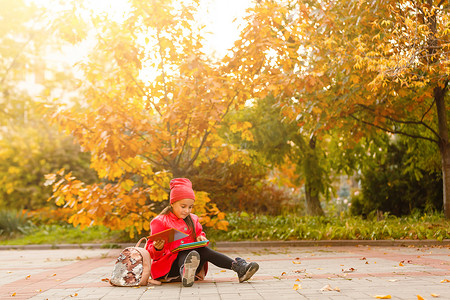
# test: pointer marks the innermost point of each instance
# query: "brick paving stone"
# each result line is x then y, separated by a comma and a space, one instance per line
352, 272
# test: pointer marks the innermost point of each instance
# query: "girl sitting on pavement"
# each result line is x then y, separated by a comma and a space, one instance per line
187, 264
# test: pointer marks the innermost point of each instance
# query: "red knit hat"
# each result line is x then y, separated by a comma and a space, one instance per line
181, 188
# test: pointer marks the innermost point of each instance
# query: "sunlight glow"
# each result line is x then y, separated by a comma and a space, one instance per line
223, 18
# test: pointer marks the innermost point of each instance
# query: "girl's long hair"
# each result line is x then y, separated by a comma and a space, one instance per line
188, 220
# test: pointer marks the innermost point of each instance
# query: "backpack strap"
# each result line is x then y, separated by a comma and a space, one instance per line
145, 255
140, 241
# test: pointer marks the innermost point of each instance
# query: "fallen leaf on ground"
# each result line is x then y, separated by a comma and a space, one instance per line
382, 296
326, 288
400, 264
284, 273
74, 295
28, 277
300, 271
296, 287
349, 270
105, 279
445, 280
297, 262
297, 279
363, 258
13, 294
419, 297
435, 295
330, 288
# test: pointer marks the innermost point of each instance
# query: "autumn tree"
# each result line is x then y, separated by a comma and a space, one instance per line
348, 64
153, 104
281, 143
30, 148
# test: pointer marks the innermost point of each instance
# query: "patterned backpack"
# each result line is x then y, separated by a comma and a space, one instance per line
132, 267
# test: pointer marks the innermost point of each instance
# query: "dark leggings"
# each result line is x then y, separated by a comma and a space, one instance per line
206, 254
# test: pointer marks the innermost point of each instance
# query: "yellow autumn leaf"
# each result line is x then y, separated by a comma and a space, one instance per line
435, 295
222, 225
445, 280
234, 128
127, 184
246, 135
419, 297
382, 296
296, 287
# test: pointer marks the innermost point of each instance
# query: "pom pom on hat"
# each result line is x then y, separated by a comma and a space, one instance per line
181, 188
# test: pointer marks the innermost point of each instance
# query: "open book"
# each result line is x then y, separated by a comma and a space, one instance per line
169, 235
191, 246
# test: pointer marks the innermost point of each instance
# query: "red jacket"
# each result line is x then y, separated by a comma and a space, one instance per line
163, 260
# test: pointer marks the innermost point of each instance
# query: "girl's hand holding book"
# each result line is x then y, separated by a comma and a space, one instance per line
201, 238
159, 244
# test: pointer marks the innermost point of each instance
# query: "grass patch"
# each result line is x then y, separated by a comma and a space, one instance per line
257, 227
260, 227
65, 234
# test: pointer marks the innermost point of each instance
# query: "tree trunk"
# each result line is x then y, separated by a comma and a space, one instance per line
313, 206
439, 97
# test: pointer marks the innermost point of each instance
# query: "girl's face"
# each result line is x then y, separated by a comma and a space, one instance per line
182, 208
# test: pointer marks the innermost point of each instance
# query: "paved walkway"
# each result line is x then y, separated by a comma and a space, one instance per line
345, 272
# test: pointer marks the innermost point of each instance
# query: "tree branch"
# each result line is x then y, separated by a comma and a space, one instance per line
198, 150
152, 161
394, 131
184, 143
406, 122
144, 93
16, 57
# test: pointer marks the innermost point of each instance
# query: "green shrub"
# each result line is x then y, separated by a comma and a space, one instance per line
396, 183
290, 227
31, 151
13, 222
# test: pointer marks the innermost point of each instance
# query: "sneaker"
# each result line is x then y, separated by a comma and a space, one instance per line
189, 268
244, 269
